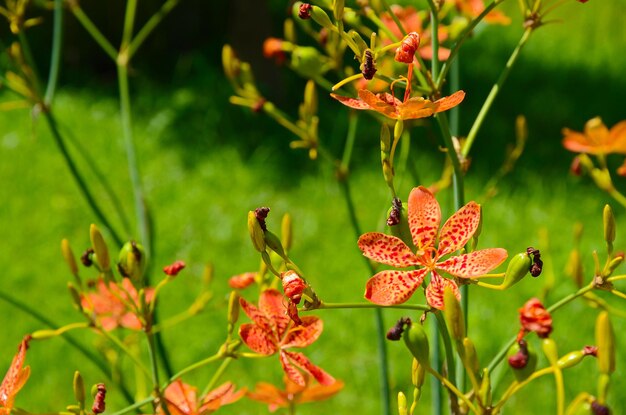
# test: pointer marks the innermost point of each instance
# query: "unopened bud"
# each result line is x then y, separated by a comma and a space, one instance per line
68, 255
454, 315
207, 275
416, 340
79, 389
310, 99
517, 269
321, 18
338, 6
395, 333
418, 374
173, 269
485, 388
286, 233
308, 61
615, 262
230, 62
132, 261
76, 298
470, 356
398, 129
402, 404
43, 334
570, 359
605, 340
360, 44
256, 232
273, 242
99, 392
608, 220
548, 346
100, 248
233, 308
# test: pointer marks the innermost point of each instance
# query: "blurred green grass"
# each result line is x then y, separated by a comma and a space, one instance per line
205, 164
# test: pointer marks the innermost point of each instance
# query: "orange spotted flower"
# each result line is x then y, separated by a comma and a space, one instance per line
115, 305
272, 331
181, 399
597, 138
293, 394
392, 107
16, 377
394, 287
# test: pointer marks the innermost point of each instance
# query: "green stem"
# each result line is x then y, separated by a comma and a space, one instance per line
220, 371
91, 28
462, 38
385, 387
480, 118
453, 389
82, 185
134, 406
129, 24
55, 58
194, 366
434, 39
353, 121
126, 351
150, 25
394, 17
447, 346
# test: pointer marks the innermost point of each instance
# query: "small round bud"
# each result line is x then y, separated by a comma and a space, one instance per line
172, 270
304, 11
132, 261
87, 257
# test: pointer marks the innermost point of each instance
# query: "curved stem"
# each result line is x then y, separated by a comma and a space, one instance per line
55, 58
480, 118
134, 406
453, 389
91, 28
218, 373
126, 351
150, 25
194, 366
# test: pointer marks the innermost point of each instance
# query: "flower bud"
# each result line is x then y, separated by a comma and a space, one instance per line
207, 275
310, 100
256, 232
272, 241
321, 18
485, 389
605, 340
286, 231
608, 220
570, 359
416, 340
402, 404
68, 255
233, 309
395, 333
75, 296
100, 248
418, 374
454, 315
360, 44
522, 359
132, 261
517, 269
550, 350
308, 61
469, 355
338, 6
409, 45
99, 392
230, 62
398, 128
173, 269
79, 389
613, 264
43, 334
241, 281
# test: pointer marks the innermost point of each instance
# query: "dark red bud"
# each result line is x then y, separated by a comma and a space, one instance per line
395, 333
85, 258
305, 11
590, 351
396, 212
173, 269
520, 359
599, 409
369, 66
261, 214
98, 401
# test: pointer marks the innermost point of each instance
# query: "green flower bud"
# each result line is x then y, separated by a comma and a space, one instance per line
132, 261
79, 389
43, 334
608, 220
286, 231
290, 31
550, 350
385, 139
398, 129
613, 264
321, 18
454, 315
272, 241
100, 248
605, 340
570, 359
233, 310
68, 255
402, 404
75, 296
418, 374
416, 340
517, 269
469, 356
338, 9
230, 62
256, 232
485, 388
360, 43
308, 61
73, 409
310, 100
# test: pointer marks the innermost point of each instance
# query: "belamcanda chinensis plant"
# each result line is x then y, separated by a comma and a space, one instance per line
391, 63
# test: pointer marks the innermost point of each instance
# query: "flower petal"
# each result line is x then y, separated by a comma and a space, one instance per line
320, 392
435, 290
290, 370
445, 103
618, 137
271, 304
220, 396
596, 132
387, 249
377, 104
355, 103
15, 377
416, 107
256, 315
424, 217
258, 339
304, 363
474, 264
180, 398
458, 229
304, 334
269, 394
393, 287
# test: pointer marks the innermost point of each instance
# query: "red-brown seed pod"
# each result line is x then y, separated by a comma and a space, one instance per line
98, 401
406, 51
369, 66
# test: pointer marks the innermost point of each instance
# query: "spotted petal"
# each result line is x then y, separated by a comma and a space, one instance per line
180, 398
387, 249
424, 217
15, 378
256, 315
393, 287
272, 305
416, 107
448, 102
257, 339
459, 228
222, 395
474, 264
355, 103
384, 106
305, 364
436, 288
304, 334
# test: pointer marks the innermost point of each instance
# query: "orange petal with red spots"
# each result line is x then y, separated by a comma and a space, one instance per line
474, 264
448, 102
416, 108
378, 104
435, 290
241, 281
459, 228
352, 102
15, 378
256, 315
305, 364
257, 339
271, 303
222, 395
180, 399
393, 287
424, 217
305, 334
292, 373
387, 249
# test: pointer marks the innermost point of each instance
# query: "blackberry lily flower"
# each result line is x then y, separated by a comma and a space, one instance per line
14, 380
395, 287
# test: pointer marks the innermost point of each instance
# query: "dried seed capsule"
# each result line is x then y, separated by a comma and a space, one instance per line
406, 51
368, 68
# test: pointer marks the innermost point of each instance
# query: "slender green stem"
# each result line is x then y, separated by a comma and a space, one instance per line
353, 121
91, 28
126, 351
394, 17
55, 57
28, 56
453, 389
150, 25
446, 67
82, 185
385, 387
134, 406
218, 373
194, 366
516, 386
325, 306
480, 118
447, 346
434, 39
560, 391
129, 24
